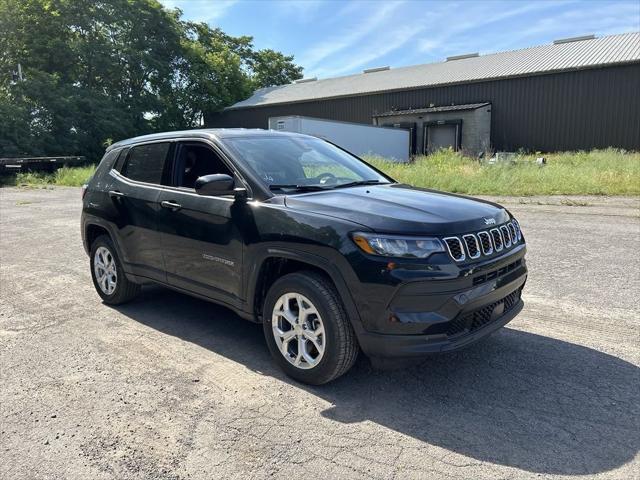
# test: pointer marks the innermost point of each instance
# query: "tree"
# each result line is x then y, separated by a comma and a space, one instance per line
97, 70
271, 68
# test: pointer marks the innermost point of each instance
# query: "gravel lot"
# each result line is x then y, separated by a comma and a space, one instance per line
170, 387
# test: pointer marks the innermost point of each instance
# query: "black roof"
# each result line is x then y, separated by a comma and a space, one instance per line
207, 133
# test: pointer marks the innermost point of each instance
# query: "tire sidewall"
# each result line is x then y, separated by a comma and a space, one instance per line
302, 284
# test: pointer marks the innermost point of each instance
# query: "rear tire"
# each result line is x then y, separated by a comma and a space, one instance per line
307, 329
107, 274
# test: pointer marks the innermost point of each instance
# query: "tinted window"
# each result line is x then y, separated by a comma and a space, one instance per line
107, 162
121, 158
146, 162
301, 161
194, 161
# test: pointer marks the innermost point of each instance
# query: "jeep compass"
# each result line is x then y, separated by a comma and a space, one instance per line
331, 255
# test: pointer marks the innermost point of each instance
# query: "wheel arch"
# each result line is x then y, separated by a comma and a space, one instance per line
274, 263
93, 231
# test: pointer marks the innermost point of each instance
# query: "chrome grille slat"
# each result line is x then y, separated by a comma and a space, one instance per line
506, 236
486, 243
518, 231
512, 231
456, 250
497, 239
473, 247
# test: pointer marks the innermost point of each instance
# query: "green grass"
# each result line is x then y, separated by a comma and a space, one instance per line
65, 176
598, 172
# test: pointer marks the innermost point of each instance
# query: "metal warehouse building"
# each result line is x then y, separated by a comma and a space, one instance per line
577, 93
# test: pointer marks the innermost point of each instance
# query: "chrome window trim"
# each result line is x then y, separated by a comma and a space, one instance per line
471, 235
494, 242
490, 251
449, 249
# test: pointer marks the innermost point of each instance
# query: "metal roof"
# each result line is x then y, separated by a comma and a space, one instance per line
572, 55
444, 108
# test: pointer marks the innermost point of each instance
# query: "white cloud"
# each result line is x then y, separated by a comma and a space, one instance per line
374, 50
337, 43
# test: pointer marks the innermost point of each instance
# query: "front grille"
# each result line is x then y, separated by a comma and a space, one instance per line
488, 242
455, 248
470, 322
485, 277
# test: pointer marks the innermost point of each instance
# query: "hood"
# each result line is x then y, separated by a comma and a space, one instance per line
402, 209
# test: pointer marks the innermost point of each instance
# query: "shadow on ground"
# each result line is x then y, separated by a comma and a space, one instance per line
516, 399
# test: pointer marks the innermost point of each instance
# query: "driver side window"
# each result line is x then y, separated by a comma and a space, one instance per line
193, 161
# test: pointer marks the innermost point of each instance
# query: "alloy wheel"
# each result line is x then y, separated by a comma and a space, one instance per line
104, 267
298, 330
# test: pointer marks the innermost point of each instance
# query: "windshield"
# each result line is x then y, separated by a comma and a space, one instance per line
302, 163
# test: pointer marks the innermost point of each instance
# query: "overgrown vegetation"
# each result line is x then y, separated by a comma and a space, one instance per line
93, 72
598, 172
65, 176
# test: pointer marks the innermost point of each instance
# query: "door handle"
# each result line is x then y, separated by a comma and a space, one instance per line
116, 194
170, 205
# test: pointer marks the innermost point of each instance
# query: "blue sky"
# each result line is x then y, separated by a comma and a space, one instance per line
332, 38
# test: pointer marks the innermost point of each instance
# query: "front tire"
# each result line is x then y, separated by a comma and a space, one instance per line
108, 276
307, 329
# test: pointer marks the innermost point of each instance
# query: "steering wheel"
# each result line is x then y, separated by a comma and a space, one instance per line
323, 178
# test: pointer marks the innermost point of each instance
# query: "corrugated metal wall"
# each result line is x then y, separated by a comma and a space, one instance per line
576, 110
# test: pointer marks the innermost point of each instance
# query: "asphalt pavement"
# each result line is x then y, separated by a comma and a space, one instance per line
171, 387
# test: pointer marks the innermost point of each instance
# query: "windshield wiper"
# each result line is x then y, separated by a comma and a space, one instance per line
299, 188
361, 182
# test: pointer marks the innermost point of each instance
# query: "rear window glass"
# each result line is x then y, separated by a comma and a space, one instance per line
146, 163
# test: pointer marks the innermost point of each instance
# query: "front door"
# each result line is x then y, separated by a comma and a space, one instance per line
200, 236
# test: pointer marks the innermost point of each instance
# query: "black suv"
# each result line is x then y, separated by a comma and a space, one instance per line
328, 253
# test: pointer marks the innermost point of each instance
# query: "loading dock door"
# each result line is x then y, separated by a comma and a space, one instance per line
442, 134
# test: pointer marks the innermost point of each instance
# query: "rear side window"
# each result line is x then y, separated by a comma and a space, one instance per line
107, 162
145, 163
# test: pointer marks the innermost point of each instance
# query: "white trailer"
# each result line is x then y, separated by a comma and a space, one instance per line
359, 139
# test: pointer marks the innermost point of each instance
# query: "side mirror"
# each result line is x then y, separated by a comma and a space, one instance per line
215, 185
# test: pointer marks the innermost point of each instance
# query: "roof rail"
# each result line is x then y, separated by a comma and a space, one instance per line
305, 80
460, 57
574, 39
376, 69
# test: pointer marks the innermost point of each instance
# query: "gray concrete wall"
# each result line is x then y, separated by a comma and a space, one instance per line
476, 127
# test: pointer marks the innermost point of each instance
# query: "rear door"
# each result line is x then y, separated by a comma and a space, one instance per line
134, 192
201, 239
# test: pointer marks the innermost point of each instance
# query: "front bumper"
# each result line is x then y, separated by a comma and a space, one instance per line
431, 316
403, 346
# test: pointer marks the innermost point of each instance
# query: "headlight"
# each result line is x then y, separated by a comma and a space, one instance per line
397, 246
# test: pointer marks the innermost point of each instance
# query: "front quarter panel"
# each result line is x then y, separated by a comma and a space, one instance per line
273, 230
